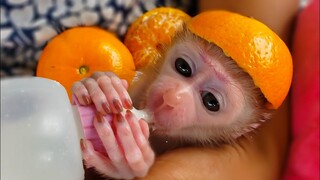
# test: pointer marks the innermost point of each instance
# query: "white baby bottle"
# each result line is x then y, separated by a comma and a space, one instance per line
41, 131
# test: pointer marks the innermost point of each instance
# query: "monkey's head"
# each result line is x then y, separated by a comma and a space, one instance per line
202, 93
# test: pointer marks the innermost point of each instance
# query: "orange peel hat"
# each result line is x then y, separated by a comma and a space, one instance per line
253, 46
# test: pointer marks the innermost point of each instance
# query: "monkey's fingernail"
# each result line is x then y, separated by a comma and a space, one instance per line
100, 118
117, 105
106, 108
82, 144
129, 113
86, 99
128, 103
120, 118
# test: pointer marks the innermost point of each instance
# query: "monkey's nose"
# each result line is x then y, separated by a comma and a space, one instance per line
174, 96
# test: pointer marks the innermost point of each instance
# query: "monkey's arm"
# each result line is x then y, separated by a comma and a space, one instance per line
261, 157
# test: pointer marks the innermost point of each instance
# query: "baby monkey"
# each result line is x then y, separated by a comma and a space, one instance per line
195, 94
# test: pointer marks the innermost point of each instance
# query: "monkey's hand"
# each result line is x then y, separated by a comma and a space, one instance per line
106, 90
125, 139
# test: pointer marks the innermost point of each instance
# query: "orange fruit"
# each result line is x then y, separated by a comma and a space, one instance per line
253, 46
154, 28
78, 52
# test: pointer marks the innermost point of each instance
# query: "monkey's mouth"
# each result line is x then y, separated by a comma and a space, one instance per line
159, 108
161, 112
165, 119
158, 105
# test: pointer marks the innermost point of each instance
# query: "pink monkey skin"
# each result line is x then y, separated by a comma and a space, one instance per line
303, 160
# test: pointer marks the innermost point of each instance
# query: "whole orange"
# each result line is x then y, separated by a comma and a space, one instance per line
78, 52
253, 46
155, 27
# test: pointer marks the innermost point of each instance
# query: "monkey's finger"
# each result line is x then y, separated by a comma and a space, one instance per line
105, 82
122, 92
121, 85
111, 145
144, 128
139, 127
114, 89
97, 96
150, 156
94, 158
106, 87
125, 83
131, 150
81, 93
100, 162
141, 137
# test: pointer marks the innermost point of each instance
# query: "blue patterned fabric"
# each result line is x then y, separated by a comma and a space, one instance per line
27, 25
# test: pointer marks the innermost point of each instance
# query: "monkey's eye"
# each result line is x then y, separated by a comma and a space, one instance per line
183, 67
210, 101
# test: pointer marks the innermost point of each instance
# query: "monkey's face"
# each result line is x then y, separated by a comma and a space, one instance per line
194, 90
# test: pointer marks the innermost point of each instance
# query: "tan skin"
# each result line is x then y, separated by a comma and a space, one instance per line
263, 154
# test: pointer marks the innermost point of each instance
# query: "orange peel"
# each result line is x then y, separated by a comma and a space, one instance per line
253, 46
155, 27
